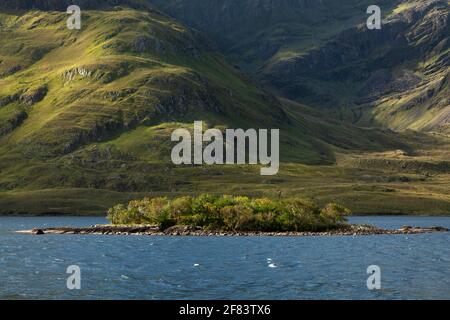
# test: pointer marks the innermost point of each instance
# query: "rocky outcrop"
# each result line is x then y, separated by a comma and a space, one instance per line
34, 96
9, 99
11, 70
14, 121
81, 72
37, 232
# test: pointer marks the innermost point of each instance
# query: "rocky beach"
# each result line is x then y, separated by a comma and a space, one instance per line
151, 230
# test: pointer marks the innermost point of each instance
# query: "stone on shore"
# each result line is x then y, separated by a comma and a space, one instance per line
37, 231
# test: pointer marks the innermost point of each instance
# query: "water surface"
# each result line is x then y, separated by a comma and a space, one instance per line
142, 267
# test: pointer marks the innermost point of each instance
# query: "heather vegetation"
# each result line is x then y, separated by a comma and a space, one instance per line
230, 213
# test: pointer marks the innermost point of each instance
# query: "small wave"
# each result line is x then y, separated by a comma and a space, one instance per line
270, 263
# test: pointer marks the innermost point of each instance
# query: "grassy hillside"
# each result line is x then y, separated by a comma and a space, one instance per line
86, 117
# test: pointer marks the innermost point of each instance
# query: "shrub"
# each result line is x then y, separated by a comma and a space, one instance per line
335, 212
180, 207
154, 210
231, 213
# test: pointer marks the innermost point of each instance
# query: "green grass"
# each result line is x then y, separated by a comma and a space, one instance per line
363, 190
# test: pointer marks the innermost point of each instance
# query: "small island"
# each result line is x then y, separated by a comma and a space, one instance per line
214, 215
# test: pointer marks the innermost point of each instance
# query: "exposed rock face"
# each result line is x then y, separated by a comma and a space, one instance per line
10, 71
15, 120
72, 74
8, 99
34, 96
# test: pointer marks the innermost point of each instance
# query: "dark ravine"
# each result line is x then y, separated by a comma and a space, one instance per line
350, 230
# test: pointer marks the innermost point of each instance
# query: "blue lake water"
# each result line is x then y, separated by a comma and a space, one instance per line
139, 267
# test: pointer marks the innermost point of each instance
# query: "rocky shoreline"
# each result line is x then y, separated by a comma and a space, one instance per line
348, 230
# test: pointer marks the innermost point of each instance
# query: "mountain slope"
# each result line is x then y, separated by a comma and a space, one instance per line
86, 117
123, 69
396, 77
256, 32
321, 53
